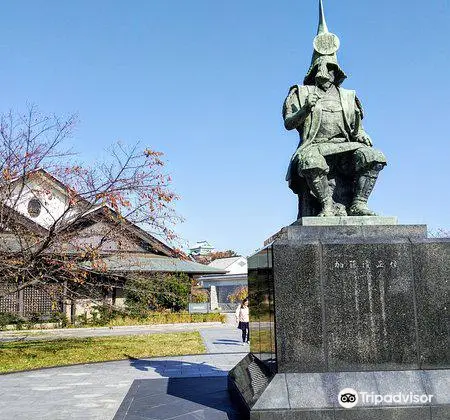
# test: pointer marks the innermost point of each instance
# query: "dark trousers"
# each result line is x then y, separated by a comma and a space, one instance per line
245, 331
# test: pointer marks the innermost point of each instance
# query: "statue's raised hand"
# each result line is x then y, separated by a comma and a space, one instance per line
364, 138
311, 100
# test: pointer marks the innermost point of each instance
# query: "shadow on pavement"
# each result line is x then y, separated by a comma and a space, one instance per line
228, 342
170, 368
182, 398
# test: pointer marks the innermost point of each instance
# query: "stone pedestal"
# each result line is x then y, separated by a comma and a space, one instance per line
350, 296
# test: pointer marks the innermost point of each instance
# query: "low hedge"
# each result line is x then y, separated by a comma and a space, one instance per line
166, 318
117, 320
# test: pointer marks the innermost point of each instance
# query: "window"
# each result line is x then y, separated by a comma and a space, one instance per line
34, 207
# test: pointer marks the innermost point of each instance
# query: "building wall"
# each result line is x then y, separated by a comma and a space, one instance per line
94, 236
238, 267
53, 202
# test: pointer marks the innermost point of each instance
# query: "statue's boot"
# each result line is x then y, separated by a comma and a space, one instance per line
320, 188
363, 189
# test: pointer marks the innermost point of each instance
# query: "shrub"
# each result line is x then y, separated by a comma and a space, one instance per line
59, 318
199, 296
10, 319
82, 320
157, 292
32, 319
167, 318
103, 314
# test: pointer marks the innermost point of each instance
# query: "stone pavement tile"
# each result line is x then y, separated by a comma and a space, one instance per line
437, 383
152, 403
191, 372
171, 410
205, 414
138, 417
440, 413
360, 381
187, 388
398, 413
225, 368
210, 374
307, 391
406, 382
221, 340
187, 398
96, 391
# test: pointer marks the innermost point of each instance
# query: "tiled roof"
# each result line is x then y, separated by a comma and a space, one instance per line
223, 263
142, 262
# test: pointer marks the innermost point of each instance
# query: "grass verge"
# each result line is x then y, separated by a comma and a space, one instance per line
16, 356
261, 341
166, 318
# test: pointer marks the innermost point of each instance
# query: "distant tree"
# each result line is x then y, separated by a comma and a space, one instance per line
130, 185
199, 295
157, 292
239, 294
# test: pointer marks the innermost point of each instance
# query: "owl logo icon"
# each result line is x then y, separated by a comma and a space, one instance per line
348, 398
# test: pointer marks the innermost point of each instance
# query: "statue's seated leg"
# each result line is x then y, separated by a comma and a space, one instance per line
318, 183
308, 205
368, 164
314, 168
341, 177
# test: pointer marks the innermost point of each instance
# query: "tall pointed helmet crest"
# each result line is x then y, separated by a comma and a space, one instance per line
326, 44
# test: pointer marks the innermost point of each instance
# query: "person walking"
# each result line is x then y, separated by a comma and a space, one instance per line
242, 318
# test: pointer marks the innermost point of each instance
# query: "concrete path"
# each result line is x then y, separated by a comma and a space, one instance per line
183, 387
223, 340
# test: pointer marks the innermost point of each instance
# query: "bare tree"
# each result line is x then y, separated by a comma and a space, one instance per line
51, 235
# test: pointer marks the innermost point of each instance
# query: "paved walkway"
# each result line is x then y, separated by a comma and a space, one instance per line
183, 387
217, 342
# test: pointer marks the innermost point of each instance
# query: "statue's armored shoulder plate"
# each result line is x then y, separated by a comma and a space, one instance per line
296, 98
348, 95
291, 103
358, 104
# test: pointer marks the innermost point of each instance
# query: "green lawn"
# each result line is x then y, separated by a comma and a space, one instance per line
261, 341
24, 355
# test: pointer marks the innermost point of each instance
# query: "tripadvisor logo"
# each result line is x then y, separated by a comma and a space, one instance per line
348, 398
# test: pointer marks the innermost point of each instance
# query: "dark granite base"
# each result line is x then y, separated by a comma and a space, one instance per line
315, 396
247, 381
431, 266
368, 302
334, 307
297, 232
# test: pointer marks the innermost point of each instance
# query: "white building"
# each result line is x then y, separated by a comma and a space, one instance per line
39, 204
222, 285
201, 248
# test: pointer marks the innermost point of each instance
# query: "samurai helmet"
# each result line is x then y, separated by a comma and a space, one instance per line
326, 44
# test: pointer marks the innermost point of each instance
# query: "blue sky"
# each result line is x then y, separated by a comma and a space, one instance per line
203, 81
